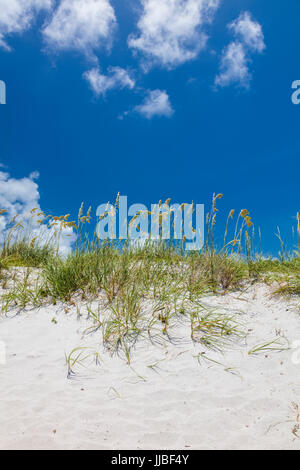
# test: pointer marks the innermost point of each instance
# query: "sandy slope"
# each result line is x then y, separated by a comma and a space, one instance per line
178, 404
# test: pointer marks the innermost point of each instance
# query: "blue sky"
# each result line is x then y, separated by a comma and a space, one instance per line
199, 106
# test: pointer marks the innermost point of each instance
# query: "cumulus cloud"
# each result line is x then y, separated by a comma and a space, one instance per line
16, 16
157, 103
116, 78
18, 197
82, 25
171, 31
234, 66
249, 32
235, 60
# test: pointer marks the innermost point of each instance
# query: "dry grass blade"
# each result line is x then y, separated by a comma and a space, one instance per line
75, 357
215, 330
295, 431
269, 346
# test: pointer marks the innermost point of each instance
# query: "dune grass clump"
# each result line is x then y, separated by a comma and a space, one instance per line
289, 286
215, 330
26, 254
65, 277
214, 271
23, 293
32, 241
143, 291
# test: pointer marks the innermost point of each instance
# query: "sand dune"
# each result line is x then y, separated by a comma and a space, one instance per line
165, 399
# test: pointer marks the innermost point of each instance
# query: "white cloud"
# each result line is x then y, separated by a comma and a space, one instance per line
249, 32
234, 66
116, 78
83, 25
157, 103
16, 16
18, 197
3, 44
171, 31
235, 59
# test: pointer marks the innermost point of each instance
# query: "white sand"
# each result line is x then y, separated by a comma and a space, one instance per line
178, 405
